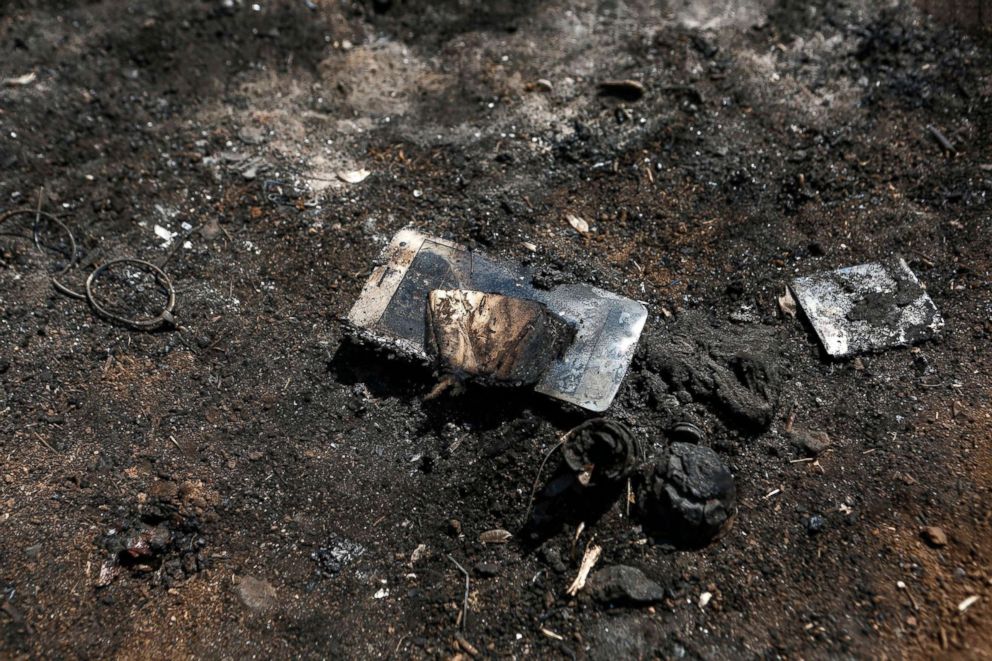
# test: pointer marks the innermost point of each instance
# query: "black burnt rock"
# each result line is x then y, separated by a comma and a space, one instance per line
621, 585
689, 498
604, 450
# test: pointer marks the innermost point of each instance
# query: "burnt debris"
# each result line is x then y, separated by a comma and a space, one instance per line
626, 90
621, 585
737, 374
602, 450
868, 307
586, 367
688, 499
495, 338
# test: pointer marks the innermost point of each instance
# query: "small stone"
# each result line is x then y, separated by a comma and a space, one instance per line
540, 85
934, 536
621, 585
815, 524
256, 594
812, 443
165, 490
552, 557
579, 224
353, 176
486, 569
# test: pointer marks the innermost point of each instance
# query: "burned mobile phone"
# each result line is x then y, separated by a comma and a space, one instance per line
391, 311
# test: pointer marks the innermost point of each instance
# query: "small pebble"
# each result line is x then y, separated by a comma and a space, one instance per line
934, 536
620, 585
812, 443
815, 524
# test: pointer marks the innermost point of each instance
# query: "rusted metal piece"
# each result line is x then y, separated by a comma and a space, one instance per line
493, 337
391, 311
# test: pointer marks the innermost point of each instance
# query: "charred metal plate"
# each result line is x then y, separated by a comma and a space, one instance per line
868, 307
391, 310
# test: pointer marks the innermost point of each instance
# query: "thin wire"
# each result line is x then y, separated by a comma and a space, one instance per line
537, 478
467, 584
163, 318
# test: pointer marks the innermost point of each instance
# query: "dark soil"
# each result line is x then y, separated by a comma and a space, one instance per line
254, 485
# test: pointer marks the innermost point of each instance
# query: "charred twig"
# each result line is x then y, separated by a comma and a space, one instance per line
941, 138
467, 646
575, 540
44, 442
467, 585
397, 648
41, 198
442, 385
630, 496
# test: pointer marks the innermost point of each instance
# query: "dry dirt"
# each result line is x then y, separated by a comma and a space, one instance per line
253, 485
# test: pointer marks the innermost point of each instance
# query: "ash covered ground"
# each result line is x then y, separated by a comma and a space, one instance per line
255, 485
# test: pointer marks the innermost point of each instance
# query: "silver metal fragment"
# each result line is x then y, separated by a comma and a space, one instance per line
868, 307
392, 310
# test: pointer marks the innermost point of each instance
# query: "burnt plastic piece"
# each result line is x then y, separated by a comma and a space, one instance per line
495, 338
602, 450
689, 499
390, 312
